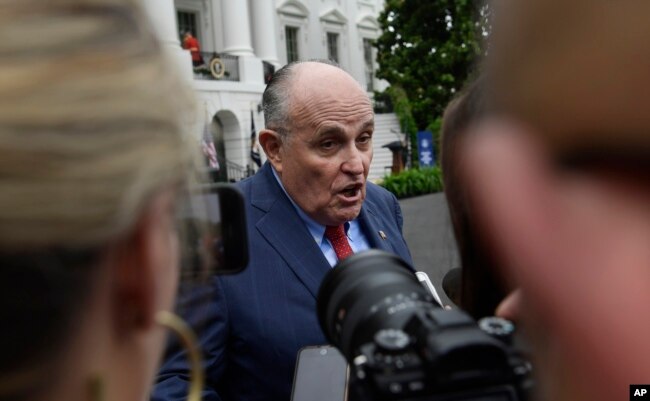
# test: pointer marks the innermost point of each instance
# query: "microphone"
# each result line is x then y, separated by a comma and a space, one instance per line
451, 285
426, 282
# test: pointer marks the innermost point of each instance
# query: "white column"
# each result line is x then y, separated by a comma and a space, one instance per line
236, 28
264, 31
162, 15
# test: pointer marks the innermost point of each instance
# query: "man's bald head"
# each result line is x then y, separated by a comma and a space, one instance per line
279, 93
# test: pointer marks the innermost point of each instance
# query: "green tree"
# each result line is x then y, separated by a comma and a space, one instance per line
428, 49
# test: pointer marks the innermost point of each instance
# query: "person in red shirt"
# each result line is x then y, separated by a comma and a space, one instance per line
192, 44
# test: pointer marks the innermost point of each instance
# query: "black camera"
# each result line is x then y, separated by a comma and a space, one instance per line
402, 346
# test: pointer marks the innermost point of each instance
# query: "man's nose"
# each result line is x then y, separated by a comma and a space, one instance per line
353, 163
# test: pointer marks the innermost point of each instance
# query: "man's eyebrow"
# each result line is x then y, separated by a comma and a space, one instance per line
337, 129
370, 124
332, 129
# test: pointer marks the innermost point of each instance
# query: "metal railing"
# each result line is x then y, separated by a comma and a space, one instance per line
233, 172
217, 67
236, 172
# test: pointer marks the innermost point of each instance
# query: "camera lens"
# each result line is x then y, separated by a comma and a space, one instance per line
402, 345
366, 293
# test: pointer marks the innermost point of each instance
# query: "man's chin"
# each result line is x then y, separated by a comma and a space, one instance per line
347, 214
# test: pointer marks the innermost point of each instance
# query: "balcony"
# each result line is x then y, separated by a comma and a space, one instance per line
217, 67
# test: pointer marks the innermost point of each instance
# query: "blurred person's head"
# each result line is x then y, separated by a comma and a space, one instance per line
560, 182
91, 160
318, 137
477, 289
590, 98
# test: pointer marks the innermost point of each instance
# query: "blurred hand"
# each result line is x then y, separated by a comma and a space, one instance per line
510, 307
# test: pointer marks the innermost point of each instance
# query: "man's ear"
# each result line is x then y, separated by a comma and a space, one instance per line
272, 145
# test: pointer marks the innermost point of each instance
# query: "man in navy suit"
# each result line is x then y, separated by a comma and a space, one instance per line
318, 142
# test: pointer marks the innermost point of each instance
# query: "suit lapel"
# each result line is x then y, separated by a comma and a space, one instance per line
375, 228
285, 231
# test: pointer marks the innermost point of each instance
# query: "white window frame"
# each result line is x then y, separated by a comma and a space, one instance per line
370, 86
333, 21
297, 40
333, 45
197, 23
294, 14
368, 28
204, 21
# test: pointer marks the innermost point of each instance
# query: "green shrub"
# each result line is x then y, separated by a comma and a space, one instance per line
414, 182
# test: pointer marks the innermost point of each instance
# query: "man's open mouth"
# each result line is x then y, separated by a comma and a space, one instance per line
351, 190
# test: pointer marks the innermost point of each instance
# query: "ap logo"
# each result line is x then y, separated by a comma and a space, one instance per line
640, 392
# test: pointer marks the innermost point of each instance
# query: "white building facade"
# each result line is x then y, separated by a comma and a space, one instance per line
252, 38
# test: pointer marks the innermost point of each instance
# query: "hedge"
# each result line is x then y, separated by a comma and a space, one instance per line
414, 182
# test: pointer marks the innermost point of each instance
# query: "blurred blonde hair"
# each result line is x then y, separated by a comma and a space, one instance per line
90, 121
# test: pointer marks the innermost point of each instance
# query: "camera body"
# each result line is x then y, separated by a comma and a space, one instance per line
402, 346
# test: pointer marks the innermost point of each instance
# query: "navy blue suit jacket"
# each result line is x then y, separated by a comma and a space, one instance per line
251, 325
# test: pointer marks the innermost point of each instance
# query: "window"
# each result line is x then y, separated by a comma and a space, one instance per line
187, 22
333, 46
291, 37
369, 62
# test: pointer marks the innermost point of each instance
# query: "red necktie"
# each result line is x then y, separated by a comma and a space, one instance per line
336, 236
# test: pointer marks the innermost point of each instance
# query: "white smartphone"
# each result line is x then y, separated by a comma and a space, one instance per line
321, 374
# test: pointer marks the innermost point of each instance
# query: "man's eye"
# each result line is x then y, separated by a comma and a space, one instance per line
364, 139
327, 144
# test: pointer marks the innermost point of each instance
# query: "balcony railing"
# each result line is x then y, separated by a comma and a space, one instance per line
218, 67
